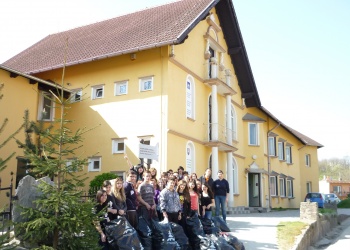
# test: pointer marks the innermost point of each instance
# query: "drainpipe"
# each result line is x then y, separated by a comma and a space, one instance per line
269, 162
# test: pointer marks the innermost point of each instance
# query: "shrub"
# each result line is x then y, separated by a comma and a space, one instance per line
97, 182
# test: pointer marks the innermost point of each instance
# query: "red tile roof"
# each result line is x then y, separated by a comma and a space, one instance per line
154, 27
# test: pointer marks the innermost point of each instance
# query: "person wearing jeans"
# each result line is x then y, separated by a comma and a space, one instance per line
221, 190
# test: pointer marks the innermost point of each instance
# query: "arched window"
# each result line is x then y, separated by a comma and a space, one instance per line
190, 97
234, 123
190, 158
235, 176
209, 118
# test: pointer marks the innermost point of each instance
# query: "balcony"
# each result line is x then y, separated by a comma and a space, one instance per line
222, 88
219, 139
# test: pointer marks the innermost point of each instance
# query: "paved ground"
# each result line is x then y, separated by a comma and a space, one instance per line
258, 231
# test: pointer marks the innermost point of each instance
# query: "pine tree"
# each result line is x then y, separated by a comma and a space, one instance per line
60, 219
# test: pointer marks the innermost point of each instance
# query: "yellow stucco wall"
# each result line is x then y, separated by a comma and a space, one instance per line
18, 95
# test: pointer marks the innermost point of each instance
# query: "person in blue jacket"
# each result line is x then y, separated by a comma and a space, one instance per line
221, 190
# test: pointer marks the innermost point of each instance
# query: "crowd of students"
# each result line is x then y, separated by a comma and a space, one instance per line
174, 195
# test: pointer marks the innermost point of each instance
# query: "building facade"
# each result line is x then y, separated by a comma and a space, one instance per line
178, 78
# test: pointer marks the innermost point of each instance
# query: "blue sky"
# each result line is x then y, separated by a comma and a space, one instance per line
298, 50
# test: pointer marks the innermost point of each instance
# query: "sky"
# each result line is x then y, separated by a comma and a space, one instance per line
299, 52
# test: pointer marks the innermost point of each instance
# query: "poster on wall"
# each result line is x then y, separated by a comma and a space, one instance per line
188, 99
188, 159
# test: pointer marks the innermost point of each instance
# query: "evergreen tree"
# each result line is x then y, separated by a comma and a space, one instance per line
60, 220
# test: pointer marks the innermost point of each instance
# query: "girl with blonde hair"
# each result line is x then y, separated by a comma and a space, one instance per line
119, 196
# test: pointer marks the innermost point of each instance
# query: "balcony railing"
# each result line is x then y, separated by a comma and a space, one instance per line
216, 133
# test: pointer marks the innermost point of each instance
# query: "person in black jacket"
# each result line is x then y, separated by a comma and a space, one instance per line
131, 198
101, 210
206, 178
185, 201
221, 190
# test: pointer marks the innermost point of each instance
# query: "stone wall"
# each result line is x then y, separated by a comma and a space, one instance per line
319, 225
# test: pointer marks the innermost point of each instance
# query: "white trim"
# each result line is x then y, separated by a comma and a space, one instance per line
50, 106
97, 91
190, 98
120, 88
91, 163
115, 146
146, 83
257, 133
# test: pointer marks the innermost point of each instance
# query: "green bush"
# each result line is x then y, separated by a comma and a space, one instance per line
97, 182
344, 203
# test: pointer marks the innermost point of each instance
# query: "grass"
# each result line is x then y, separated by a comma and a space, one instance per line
287, 231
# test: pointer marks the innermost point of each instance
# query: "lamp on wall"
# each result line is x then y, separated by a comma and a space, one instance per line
133, 56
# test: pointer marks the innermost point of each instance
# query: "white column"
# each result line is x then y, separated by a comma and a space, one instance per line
214, 113
214, 162
230, 178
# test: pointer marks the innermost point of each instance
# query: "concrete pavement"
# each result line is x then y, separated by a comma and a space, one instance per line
258, 231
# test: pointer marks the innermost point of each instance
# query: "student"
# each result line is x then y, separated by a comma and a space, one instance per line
194, 195
131, 198
139, 169
221, 190
119, 197
206, 178
110, 203
153, 173
145, 196
156, 197
206, 201
170, 202
101, 209
180, 171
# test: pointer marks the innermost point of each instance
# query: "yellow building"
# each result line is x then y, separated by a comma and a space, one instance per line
176, 76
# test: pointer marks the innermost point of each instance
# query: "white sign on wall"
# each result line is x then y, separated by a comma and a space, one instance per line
149, 152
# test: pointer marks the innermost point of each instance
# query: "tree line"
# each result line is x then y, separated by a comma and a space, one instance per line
335, 168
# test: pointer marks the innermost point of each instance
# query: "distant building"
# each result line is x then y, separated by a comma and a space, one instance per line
338, 187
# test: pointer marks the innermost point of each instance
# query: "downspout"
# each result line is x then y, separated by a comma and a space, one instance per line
269, 162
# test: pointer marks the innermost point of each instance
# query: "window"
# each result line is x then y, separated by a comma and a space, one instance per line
281, 151
273, 186
282, 188
234, 123
307, 160
190, 158
71, 165
94, 164
253, 134
272, 146
190, 95
76, 95
146, 84
289, 188
118, 146
121, 88
308, 187
97, 92
289, 154
235, 176
337, 189
46, 108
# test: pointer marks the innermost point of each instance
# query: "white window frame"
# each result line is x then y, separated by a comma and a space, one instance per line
255, 136
235, 176
234, 123
337, 189
97, 92
190, 98
289, 158
69, 163
115, 146
308, 160
76, 95
91, 162
44, 106
273, 188
281, 187
272, 146
289, 188
190, 159
281, 151
143, 81
118, 88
